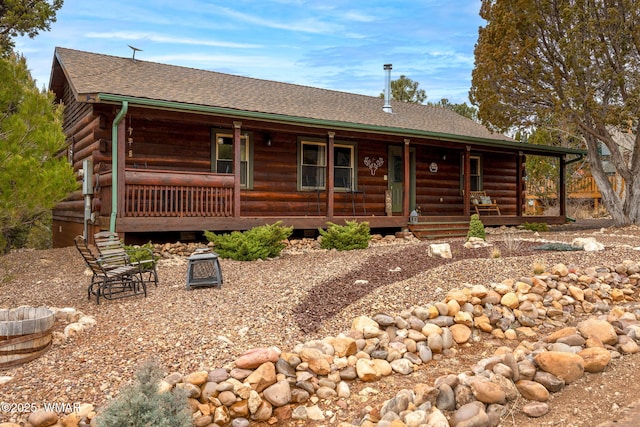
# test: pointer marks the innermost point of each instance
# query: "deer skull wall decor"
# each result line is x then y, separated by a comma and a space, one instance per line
373, 165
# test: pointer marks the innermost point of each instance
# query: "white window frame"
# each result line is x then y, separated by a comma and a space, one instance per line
321, 167
338, 184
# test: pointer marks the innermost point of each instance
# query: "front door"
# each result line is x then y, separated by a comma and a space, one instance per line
396, 178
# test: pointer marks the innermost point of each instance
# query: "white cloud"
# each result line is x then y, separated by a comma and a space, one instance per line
158, 38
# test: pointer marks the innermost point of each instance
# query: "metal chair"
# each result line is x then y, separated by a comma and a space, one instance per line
113, 254
110, 283
348, 186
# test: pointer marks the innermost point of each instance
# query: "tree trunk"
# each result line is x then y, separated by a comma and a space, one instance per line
623, 208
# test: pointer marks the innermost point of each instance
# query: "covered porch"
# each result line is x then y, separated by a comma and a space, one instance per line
178, 201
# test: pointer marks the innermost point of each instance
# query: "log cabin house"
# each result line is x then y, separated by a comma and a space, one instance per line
172, 151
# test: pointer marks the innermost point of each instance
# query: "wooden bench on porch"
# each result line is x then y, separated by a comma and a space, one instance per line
483, 203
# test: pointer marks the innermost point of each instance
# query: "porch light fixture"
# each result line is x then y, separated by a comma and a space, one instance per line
220, 140
267, 138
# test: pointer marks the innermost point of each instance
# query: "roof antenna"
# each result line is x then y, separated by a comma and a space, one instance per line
135, 49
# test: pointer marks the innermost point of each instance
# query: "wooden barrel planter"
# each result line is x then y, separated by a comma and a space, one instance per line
25, 334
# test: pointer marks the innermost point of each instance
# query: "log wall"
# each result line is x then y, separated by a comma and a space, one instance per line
169, 141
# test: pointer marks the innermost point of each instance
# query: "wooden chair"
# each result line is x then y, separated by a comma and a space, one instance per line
112, 253
483, 203
110, 283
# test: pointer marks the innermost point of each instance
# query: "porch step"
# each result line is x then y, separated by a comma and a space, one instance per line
439, 230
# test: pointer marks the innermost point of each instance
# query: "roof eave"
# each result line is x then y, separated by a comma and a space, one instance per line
281, 118
57, 58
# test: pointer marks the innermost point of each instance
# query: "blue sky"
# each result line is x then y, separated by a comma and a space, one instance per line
332, 44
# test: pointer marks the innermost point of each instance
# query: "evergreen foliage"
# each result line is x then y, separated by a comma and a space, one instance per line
261, 242
556, 247
536, 226
33, 178
476, 227
406, 90
141, 405
20, 17
144, 252
463, 109
353, 235
570, 66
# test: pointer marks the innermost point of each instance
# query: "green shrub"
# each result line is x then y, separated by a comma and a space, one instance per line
144, 252
476, 227
140, 404
265, 241
536, 226
556, 247
353, 235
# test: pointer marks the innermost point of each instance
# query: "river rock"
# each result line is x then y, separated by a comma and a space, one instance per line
510, 299
627, 345
402, 366
549, 381
488, 392
372, 369
440, 250
42, 418
595, 359
318, 362
471, 414
262, 377
197, 378
314, 413
278, 394
567, 366
361, 322
601, 329
535, 409
461, 333
446, 400
257, 356
532, 390
588, 244
343, 346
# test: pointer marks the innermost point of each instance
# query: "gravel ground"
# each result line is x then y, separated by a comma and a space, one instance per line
299, 296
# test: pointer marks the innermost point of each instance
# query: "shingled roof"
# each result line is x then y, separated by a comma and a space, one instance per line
92, 73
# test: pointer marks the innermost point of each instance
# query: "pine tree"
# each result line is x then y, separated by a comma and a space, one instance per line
32, 178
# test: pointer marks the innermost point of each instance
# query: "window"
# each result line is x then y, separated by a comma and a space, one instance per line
313, 160
222, 153
313, 165
343, 167
475, 175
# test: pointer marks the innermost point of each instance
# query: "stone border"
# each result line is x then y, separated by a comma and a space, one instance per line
268, 385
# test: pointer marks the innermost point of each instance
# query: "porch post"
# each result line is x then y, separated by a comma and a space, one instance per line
122, 138
466, 185
519, 182
563, 190
330, 174
236, 168
406, 184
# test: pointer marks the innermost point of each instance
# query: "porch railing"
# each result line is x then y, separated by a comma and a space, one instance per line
177, 194
577, 188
